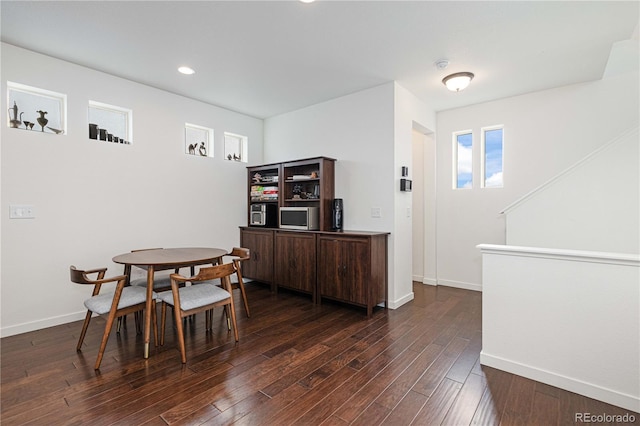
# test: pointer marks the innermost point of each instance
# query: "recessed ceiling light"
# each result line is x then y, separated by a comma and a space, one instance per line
307, 1
186, 70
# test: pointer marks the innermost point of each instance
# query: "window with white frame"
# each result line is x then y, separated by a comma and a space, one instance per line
462, 160
235, 147
492, 147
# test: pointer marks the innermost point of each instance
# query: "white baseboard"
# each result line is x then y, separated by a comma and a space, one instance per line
460, 284
610, 396
395, 304
429, 281
448, 283
40, 324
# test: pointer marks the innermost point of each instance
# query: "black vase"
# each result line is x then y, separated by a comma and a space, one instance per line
337, 215
93, 131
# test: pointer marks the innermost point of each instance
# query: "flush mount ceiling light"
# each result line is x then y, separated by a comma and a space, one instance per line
458, 81
186, 70
307, 1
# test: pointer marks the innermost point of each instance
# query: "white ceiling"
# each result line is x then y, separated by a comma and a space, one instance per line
265, 58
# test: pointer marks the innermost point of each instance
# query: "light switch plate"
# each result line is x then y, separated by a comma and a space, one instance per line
22, 211
376, 212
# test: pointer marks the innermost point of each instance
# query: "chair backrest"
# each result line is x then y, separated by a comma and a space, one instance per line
79, 276
208, 273
240, 252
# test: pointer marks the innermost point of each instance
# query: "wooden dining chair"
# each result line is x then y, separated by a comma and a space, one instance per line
199, 296
239, 255
161, 280
124, 300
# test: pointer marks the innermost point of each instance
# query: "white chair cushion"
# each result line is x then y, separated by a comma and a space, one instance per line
101, 304
158, 282
195, 296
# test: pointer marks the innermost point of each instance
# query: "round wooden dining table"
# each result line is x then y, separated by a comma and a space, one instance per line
162, 259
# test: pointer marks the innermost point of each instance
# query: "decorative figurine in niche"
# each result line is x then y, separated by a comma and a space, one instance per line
192, 148
42, 121
16, 121
202, 149
93, 131
236, 157
297, 190
56, 131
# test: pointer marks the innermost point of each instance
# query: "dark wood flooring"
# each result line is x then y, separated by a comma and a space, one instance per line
296, 363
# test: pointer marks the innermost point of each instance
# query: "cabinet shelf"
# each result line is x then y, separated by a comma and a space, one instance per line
289, 180
300, 200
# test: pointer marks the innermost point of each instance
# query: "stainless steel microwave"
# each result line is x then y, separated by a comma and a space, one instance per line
302, 218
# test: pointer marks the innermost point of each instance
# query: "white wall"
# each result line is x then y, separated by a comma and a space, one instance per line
94, 200
417, 168
409, 113
545, 133
360, 131
424, 207
594, 206
567, 318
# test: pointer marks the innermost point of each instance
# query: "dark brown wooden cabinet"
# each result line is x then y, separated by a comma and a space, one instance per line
352, 268
349, 267
260, 242
300, 183
295, 261
310, 183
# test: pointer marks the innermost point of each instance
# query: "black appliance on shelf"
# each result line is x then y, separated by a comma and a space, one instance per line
264, 214
338, 215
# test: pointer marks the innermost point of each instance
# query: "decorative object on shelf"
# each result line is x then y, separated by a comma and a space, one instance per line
257, 178
235, 147
56, 131
15, 122
198, 140
31, 104
110, 123
42, 120
297, 191
93, 131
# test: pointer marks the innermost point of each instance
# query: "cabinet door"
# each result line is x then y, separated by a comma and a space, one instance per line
343, 266
260, 264
331, 269
295, 265
355, 276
